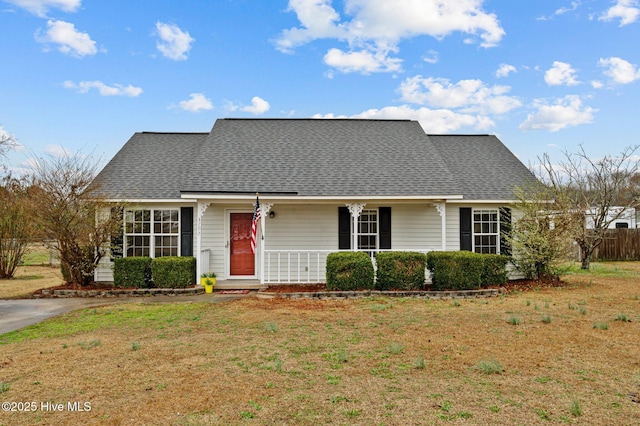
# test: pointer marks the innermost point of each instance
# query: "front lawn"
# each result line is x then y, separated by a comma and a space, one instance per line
557, 355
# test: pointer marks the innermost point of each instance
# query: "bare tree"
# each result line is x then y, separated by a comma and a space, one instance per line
589, 190
7, 142
16, 224
68, 214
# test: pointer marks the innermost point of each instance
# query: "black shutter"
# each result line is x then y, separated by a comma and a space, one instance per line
465, 228
385, 227
117, 238
505, 231
344, 228
186, 231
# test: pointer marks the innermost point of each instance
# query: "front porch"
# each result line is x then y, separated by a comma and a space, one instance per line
295, 238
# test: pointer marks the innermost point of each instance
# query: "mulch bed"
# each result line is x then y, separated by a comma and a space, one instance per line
511, 286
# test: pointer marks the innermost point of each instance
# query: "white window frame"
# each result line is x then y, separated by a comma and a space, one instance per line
375, 234
152, 234
481, 234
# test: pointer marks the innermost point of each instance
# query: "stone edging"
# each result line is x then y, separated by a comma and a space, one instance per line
138, 292
322, 295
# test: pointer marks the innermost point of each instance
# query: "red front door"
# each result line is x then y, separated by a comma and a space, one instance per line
242, 261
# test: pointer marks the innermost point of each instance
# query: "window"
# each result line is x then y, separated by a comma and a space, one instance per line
368, 230
486, 231
152, 233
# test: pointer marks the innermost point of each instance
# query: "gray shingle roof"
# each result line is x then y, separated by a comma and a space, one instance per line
482, 166
313, 157
150, 166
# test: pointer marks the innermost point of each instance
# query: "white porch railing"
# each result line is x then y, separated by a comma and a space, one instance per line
304, 266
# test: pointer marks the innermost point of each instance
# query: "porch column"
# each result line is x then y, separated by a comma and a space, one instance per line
264, 211
442, 210
202, 207
355, 210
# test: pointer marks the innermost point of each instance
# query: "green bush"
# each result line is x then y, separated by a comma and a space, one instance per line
400, 270
455, 270
173, 271
132, 272
349, 271
495, 269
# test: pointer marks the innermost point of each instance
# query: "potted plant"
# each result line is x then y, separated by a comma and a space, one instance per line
208, 280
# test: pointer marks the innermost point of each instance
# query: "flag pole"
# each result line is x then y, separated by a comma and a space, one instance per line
262, 223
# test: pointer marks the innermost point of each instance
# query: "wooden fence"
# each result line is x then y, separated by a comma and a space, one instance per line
619, 244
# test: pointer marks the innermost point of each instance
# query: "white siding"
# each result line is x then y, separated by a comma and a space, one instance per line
104, 272
415, 227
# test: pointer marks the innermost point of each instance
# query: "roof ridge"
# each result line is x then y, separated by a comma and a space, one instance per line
174, 133
315, 119
460, 134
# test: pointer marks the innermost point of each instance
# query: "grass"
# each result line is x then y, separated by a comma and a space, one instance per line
28, 279
489, 367
373, 361
603, 269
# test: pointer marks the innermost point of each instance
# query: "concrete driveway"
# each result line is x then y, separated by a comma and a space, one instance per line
19, 313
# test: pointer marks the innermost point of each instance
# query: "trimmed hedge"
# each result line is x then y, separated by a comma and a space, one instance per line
400, 270
495, 269
174, 271
132, 272
349, 271
455, 270
465, 270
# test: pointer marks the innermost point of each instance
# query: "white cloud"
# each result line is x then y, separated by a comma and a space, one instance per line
103, 89
318, 19
471, 96
597, 84
69, 40
432, 58
504, 70
625, 10
560, 74
565, 112
433, 121
619, 70
561, 11
258, 106
197, 102
41, 7
173, 43
373, 28
56, 151
363, 61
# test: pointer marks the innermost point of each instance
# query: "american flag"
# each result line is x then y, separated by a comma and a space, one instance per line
254, 224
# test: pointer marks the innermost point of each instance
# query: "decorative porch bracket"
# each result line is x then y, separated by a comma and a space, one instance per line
264, 211
355, 210
202, 207
442, 210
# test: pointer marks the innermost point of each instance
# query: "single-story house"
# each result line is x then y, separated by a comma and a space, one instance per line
324, 185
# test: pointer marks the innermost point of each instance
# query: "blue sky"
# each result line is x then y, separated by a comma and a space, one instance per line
544, 75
